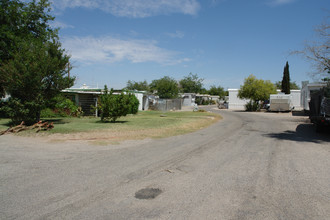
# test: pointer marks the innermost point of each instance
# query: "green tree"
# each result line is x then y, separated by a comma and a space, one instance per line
256, 90
191, 84
285, 86
214, 90
165, 88
114, 106
33, 65
293, 85
139, 86
21, 21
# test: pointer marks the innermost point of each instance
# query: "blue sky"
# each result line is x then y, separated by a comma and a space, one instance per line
222, 41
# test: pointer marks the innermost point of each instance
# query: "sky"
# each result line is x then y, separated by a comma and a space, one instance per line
222, 41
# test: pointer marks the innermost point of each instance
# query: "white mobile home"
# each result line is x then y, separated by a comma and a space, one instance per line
306, 90
236, 103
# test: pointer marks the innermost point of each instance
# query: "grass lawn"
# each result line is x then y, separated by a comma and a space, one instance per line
146, 124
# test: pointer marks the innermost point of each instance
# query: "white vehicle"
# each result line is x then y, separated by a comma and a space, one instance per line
280, 102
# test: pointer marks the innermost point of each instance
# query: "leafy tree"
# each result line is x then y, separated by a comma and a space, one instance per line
285, 86
139, 86
256, 90
33, 66
217, 91
114, 106
191, 84
293, 85
21, 21
165, 88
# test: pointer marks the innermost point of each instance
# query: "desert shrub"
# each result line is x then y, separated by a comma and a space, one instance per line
252, 106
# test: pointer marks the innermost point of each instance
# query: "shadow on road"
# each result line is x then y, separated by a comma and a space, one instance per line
303, 133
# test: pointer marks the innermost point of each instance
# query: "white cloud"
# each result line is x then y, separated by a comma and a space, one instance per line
133, 8
111, 50
58, 24
280, 2
177, 34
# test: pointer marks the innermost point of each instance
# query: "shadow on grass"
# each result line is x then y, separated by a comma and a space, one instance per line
111, 122
303, 133
56, 121
10, 124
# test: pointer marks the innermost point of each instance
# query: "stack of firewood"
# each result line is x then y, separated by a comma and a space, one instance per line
40, 126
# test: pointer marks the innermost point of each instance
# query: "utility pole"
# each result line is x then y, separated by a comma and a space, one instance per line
69, 69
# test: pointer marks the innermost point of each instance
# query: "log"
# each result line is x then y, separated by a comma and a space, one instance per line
45, 126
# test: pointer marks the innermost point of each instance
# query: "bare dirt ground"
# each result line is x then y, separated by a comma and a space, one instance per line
246, 166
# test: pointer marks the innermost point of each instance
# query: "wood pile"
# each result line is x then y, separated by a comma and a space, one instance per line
39, 126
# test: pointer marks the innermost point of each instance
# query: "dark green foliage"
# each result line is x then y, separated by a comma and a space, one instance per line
165, 88
217, 91
200, 101
293, 85
113, 106
33, 66
138, 86
252, 106
286, 80
65, 106
18, 111
35, 74
21, 21
50, 113
191, 84
3, 113
133, 104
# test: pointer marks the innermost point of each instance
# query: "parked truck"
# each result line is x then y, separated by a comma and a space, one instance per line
319, 109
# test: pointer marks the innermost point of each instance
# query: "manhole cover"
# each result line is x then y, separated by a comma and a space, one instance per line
148, 193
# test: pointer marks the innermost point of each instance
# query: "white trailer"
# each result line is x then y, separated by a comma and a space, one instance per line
280, 102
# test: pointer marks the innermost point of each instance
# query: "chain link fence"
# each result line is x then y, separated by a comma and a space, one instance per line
166, 104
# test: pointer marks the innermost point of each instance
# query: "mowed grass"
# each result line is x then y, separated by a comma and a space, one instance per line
147, 124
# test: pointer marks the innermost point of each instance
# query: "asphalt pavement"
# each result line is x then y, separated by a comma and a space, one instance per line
246, 166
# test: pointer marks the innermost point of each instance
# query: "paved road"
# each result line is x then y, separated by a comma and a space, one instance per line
247, 166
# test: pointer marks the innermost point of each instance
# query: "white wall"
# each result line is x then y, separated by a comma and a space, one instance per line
235, 102
306, 93
139, 96
296, 99
239, 104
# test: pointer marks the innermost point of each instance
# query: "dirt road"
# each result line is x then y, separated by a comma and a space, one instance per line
247, 166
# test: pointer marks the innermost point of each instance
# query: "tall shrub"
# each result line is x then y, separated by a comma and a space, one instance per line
286, 79
114, 106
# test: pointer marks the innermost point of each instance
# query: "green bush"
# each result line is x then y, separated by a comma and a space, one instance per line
3, 113
201, 101
49, 113
65, 107
113, 106
133, 104
19, 111
252, 106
